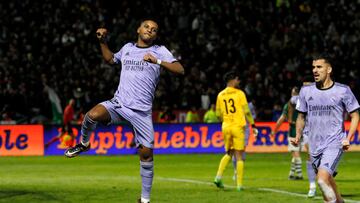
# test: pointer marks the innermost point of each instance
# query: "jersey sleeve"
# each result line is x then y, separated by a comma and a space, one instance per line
301, 104
293, 100
349, 100
285, 110
166, 55
218, 107
118, 55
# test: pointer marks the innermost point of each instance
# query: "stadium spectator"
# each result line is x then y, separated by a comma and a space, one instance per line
141, 63
192, 116
166, 115
55, 38
66, 128
210, 115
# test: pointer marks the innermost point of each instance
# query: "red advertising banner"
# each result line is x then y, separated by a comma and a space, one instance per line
21, 140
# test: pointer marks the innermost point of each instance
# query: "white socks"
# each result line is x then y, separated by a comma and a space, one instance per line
143, 200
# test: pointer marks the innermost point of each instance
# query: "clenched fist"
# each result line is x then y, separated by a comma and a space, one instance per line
345, 144
101, 34
150, 58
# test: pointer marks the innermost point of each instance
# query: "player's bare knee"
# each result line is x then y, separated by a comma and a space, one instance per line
327, 190
93, 114
99, 114
146, 157
145, 154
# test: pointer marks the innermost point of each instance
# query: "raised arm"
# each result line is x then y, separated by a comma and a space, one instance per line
353, 125
106, 53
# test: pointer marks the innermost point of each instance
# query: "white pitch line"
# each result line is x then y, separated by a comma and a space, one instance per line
230, 186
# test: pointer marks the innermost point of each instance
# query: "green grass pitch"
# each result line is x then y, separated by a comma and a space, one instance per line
178, 178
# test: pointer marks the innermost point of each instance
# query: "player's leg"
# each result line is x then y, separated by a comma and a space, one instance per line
239, 169
295, 167
310, 173
97, 114
337, 193
234, 165
298, 162
292, 167
328, 192
146, 172
329, 161
243, 156
225, 159
239, 146
222, 166
247, 136
144, 141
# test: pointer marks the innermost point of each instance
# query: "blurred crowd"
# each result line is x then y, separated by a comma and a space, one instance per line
49, 53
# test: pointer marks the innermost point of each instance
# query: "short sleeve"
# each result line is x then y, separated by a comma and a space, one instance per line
166, 55
293, 99
118, 55
349, 100
285, 110
301, 104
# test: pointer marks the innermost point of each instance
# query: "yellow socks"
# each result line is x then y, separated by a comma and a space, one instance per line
240, 172
223, 163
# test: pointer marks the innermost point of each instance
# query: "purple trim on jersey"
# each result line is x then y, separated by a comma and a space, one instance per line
328, 160
325, 88
139, 78
325, 114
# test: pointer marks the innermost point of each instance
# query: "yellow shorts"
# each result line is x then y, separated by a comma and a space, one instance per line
234, 138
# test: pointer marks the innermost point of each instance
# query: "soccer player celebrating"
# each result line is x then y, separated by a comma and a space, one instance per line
232, 108
141, 65
323, 103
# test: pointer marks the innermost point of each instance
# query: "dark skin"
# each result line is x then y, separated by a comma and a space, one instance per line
147, 33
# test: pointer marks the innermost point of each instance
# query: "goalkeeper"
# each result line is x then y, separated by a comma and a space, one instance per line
232, 108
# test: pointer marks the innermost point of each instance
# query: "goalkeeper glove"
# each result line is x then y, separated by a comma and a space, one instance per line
255, 130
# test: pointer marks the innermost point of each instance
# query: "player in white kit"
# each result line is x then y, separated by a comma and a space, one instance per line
323, 104
141, 63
